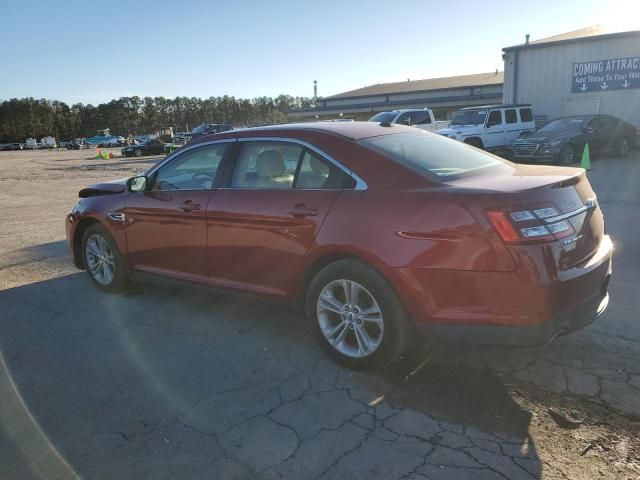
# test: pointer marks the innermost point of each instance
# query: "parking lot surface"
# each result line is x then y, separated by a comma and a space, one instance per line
172, 381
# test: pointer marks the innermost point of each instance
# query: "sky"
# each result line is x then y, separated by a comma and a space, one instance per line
92, 52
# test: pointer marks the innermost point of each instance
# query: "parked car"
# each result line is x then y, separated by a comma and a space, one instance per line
209, 129
562, 140
492, 127
377, 232
422, 118
151, 146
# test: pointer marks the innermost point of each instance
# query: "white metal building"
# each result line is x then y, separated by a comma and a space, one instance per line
581, 72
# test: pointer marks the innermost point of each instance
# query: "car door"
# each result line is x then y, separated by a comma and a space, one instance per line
595, 135
166, 224
261, 226
494, 130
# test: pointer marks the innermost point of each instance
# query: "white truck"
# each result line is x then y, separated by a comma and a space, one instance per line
422, 118
491, 127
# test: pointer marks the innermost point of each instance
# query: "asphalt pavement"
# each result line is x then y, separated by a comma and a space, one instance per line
172, 381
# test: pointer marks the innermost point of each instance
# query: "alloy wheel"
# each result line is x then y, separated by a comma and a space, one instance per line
100, 259
350, 318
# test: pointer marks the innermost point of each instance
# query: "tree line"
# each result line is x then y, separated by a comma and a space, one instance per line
22, 118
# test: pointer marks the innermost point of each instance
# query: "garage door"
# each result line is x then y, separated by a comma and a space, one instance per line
581, 106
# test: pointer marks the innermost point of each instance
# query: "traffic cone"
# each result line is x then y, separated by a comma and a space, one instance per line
586, 160
110, 155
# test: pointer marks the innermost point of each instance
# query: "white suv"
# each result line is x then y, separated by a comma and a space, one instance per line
492, 127
421, 118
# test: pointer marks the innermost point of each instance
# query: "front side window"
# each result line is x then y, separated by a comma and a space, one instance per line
432, 155
511, 116
266, 165
405, 119
420, 118
192, 170
495, 118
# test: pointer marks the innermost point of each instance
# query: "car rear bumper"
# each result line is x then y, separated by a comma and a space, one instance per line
518, 335
528, 306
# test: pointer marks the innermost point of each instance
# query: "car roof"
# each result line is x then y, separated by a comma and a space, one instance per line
348, 130
485, 107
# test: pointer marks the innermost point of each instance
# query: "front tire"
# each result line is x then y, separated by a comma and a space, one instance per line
137, 152
356, 316
567, 155
105, 264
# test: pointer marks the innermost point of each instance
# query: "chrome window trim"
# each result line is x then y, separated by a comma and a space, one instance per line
360, 183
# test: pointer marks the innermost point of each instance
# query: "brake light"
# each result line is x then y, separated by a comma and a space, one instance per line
526, 226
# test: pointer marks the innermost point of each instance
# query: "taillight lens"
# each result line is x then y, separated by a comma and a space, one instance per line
526, 226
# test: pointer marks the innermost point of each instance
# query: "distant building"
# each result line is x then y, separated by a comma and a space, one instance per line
443, 95
585, 71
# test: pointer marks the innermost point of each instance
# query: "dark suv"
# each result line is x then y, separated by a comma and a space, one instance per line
562, 140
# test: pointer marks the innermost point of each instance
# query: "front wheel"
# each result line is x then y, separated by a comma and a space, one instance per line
104, 262
567, 155
356, 316
137, 152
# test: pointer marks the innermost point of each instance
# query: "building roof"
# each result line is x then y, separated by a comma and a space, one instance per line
573, 36
473, 80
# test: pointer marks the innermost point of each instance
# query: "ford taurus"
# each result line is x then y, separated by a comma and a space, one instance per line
378, 232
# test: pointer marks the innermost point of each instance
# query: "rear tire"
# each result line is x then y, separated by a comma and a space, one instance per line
104, 262
566, 155
356, 316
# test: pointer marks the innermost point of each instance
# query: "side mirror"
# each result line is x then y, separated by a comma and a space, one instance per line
137, 184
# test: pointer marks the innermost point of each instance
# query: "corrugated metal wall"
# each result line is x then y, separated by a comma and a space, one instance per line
545, 77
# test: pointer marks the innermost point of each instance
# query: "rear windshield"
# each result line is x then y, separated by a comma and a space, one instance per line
432, 154
384, 117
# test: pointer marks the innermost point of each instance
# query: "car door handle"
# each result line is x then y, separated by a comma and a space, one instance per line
301, 211
189, 206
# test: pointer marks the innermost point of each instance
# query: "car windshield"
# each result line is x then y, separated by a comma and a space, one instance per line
432, 154
383, 117
199, 129
469, 117
564, 125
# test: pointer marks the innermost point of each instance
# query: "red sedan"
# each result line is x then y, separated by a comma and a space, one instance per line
378, 232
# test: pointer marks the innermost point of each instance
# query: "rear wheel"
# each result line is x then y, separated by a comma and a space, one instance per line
356, 316
567, 155
137, 152
103, 260
623, 147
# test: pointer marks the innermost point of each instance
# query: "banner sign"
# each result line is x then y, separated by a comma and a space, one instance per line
605, 75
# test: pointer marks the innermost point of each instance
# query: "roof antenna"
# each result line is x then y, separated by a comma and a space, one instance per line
526, 39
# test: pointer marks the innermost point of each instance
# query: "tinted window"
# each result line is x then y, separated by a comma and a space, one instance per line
432, 154
495, 118
607, 122
469, 117
526, 115
316, 173
405, 119
383, 117
192, 170
563, 125
511, 116
266, 165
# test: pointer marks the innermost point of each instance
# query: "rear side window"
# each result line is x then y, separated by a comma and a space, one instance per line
495, 118
420, 118
526, 115
269, 165
317, 174
511, 116
432, 155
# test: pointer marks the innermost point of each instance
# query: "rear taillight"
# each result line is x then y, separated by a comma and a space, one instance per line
527, 226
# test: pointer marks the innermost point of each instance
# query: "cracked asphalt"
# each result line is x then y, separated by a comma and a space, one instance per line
172, 381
